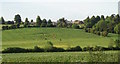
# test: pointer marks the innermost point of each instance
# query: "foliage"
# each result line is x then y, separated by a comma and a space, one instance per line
117, 29
104, 33
44, 23
48, 46
62, 23
2, 20
101, 25
49, 24
26, 24
75, 26
17, 19
14, 50
77, 48
117, 43
38, 21
37, 49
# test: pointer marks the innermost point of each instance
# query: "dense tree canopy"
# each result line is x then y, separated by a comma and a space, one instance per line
26, 24
62, 22
117, 29
44, 23
17, 19
49, 24
38, 21
2, 20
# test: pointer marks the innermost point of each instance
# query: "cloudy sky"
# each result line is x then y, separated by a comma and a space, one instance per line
55, 9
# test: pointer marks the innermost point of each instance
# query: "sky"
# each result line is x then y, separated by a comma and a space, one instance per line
55, 9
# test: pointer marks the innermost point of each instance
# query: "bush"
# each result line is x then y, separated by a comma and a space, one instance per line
77, 48
5, 28
86, 30
88, 48
48, 46
91, 30
117, 43
75, 26
14, 50
104, 33
54, 49
98, 32
37, 49
97, 48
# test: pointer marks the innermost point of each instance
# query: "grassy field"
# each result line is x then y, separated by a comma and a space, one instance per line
108, 56
60, 37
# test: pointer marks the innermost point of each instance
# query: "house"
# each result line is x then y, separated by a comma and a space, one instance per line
78, 22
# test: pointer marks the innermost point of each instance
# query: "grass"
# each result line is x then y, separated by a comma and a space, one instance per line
110, 56
60, 37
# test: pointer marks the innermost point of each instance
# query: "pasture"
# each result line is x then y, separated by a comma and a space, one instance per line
60, 37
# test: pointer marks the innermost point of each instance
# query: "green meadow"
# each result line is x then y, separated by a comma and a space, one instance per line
106, 56
60, 37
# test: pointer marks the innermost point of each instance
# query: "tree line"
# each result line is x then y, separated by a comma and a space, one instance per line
103, 25
99, 25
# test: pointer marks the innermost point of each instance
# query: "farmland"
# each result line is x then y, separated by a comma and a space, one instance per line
60, 37
108, 56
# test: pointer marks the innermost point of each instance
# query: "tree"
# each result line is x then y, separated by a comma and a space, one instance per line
26, 24
2, 20
117, 29
44, 23
92, 21
38, 21
117, 19
98, 18
101, 25
49, 24
102, 17
62, 23
75, 26
31, 20
17, 19
86, 21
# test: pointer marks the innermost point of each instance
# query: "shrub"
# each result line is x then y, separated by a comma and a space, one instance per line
91, 30
117, 43
5, 28
48, 46
104, 33
77, 48
37, 49
75, 26
97, 48
88, 48
14, 50
54, 49
86, 30
98, 32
